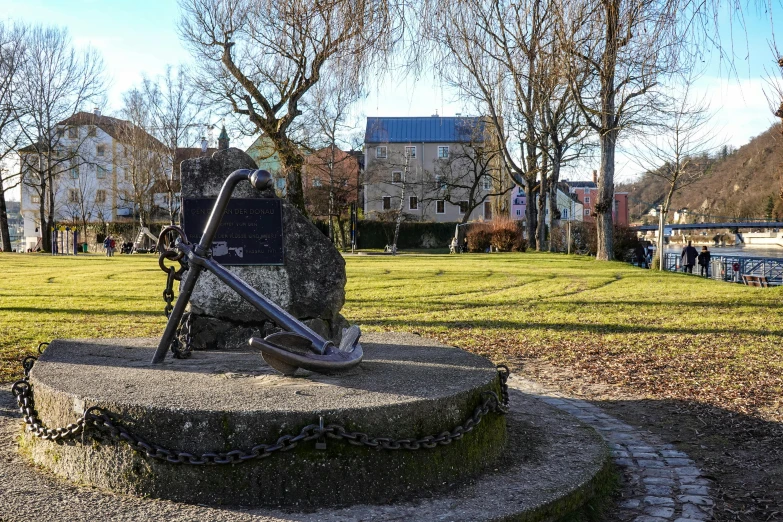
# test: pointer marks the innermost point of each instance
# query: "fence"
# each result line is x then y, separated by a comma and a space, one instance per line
732, 268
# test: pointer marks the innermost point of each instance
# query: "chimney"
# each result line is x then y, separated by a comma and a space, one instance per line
96, 111
595, 177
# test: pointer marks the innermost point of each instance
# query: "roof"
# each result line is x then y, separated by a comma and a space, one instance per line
120, 130
582, 184
432, 129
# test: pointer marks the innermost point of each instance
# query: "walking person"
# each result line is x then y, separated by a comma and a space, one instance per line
704, 262
453, 246
688, 258
112, 246
641, 256
106, 245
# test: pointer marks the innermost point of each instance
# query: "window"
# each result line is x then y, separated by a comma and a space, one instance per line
100, 150
91, 132
564, 213
386, 202
463, 207
397, 176
100, 196
316, 182
75, 172
60, 132
519, 212
487, 210
440, 182
587, 200
486, 183
380, 152
35, 199
440, 207
410, 152
73, 196
443, 152
587, 212
413, 203
100, 172
73, 132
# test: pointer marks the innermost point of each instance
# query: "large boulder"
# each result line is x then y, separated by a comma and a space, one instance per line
310, 285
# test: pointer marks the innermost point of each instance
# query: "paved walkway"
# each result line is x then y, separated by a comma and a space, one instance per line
660, 483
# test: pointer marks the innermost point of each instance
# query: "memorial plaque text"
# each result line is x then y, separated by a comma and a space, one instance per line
251, 232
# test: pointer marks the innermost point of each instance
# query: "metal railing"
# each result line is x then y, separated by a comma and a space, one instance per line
732, 268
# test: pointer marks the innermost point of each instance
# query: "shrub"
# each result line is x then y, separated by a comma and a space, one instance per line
479, 238
504, 233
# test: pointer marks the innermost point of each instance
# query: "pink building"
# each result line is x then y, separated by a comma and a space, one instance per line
587, 193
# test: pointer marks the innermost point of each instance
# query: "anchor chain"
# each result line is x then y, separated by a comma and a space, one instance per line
181, 344
101, 424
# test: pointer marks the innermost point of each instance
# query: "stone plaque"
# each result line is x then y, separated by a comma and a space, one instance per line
251, 232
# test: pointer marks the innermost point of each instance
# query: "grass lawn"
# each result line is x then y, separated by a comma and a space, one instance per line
664, 335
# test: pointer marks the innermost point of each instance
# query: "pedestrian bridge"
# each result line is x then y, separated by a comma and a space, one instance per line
707, 226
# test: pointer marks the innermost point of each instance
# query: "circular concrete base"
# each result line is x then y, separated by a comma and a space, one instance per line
406, 387
551, 466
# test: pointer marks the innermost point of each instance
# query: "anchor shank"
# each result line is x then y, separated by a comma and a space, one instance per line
176, 314
264, 305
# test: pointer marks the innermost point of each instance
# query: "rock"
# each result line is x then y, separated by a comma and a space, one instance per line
310, 285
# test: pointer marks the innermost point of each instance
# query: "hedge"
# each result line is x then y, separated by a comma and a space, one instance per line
378, 234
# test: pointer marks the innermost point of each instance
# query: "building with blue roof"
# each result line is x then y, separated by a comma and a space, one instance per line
423, 160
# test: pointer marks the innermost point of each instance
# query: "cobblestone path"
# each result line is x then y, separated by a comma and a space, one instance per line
660, 483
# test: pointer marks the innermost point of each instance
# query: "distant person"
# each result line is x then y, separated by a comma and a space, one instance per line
640, 253
453, 246
465, 245
704, 262
106, 244
688, 258
112, 246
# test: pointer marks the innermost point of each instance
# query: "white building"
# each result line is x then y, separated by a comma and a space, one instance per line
96, 178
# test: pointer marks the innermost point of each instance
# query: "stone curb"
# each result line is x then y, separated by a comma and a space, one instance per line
660, 482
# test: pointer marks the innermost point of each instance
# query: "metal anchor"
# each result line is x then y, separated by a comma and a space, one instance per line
298, 346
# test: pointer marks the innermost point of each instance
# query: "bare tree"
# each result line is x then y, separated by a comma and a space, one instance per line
328, 105
627, 47
491, 52
679, 150
55, 81
175, 110
12, 54
140, 161
263, 56
471, 175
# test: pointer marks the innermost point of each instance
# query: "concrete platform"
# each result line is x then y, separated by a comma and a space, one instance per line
551, 464
407, 387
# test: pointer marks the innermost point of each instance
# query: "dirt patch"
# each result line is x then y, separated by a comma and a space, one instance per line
741, 453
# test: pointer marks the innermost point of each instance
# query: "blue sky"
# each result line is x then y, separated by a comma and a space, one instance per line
139, 37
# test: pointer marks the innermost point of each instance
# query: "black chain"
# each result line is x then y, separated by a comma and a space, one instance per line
181, 345
101, 421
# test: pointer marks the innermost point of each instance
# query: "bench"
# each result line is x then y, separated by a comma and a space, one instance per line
755, 280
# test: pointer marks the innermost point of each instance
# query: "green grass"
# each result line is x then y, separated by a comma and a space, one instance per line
663, 335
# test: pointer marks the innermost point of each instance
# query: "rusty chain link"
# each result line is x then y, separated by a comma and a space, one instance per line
95, 418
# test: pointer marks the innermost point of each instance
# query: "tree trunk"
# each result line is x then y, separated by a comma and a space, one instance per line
530, 213
399, 213
541, 202
554, 220
608, 135
6, 236
605, 203
292, 162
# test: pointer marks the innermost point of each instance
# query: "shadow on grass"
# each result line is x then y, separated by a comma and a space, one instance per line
79, 311
564, 327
